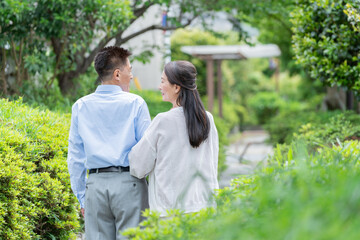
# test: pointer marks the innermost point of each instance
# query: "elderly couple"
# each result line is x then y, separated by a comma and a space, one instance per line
114, 141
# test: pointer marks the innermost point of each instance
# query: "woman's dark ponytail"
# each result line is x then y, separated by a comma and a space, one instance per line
183, 73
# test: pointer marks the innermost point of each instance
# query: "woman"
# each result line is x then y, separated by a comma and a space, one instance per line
179, 150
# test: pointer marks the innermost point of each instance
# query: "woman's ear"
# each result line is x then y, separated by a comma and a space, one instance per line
177, 88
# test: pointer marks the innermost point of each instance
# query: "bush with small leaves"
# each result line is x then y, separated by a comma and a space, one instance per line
36, 201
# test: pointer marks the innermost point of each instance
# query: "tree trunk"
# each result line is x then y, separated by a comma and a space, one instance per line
66, 82
18, 62
349, 100
334, 99
66, 79
3, 73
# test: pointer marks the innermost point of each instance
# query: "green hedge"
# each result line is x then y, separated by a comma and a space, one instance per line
283, 126
35, 197
265, 105
314, 126
313, 196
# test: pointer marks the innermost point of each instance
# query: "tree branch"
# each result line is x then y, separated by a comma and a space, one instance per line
281, 22
13, 51
87, 62
140, 11
81, 68
150, 28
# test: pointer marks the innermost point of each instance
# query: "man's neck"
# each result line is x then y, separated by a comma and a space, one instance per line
125, 88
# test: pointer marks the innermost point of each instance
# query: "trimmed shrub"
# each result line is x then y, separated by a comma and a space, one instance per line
340, 127
314, 127
283, 126
36, 201
265, 105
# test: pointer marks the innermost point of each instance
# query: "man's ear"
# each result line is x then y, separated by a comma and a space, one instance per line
116, 74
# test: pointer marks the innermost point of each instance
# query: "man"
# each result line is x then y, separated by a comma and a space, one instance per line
105, 125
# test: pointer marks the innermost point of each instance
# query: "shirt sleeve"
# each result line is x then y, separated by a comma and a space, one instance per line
76, 159
142, 121
142, 157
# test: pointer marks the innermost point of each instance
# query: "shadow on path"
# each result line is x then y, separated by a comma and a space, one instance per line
243, 156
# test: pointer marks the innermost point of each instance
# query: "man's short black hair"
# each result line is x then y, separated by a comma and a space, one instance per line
110, 58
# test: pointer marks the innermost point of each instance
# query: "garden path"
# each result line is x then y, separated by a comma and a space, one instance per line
245, 154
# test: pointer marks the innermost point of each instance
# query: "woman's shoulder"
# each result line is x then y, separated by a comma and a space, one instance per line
169, 114
210, 116
163, 116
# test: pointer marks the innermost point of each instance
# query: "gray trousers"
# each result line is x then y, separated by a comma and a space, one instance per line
113, 203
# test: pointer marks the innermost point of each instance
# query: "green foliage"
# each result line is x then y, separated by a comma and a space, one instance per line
282, 127
265, 105
63, 37
316, 127
272, 19
325, 43
340, 127
154, 101
176, 226
223, 132
312, 196
29, 27
291, 116
353, 16
36, 201
184, 37
51, 98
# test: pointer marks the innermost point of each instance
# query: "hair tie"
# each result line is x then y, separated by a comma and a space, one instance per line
190, 88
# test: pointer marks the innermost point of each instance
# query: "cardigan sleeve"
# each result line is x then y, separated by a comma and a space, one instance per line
142, 156
216, 145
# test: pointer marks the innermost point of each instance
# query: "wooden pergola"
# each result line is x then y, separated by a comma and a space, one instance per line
215, 53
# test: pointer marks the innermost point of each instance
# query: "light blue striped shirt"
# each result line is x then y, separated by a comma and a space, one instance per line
105, 125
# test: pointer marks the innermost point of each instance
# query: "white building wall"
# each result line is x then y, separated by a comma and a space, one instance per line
148, 74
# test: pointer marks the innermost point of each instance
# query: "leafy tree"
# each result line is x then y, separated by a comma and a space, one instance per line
15, 19
66, 35
325, 43
183, 37
272, 18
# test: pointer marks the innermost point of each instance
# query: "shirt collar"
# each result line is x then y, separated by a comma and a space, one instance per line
108, 89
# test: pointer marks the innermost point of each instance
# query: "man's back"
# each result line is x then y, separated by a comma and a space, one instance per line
105, 126
111, 123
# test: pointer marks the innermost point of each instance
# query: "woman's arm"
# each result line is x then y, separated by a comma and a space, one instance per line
142, 156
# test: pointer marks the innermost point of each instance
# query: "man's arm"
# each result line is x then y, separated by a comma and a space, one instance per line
76, 159
142, 121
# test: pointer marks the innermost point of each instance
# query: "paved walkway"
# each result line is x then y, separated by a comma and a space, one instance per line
244, 155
